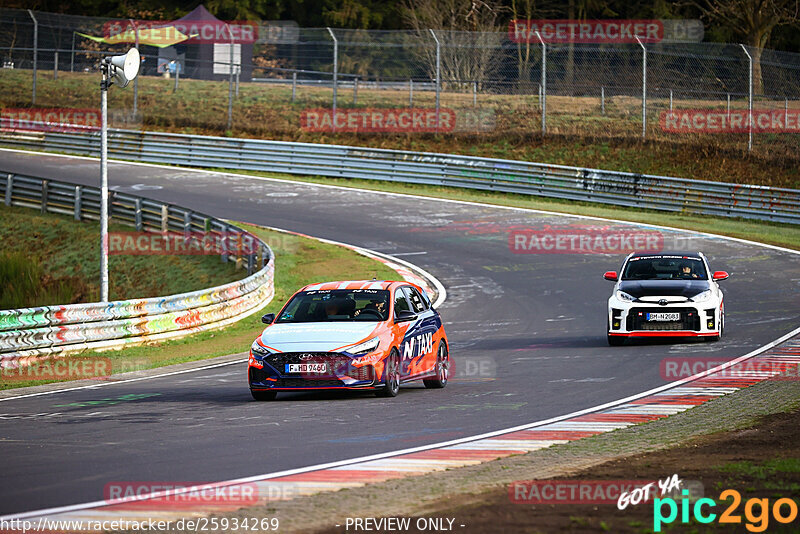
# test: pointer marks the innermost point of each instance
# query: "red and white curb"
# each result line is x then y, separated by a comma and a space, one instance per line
768, 362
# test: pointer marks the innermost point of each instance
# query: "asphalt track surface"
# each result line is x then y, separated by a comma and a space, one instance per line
531, 328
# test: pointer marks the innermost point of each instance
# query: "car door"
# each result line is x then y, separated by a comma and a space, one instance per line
418, 351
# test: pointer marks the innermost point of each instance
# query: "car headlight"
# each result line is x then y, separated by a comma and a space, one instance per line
621, 295
365, 346
258, 350
702, 297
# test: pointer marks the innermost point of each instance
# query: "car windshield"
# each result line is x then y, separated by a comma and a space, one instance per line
665, 268
336, 305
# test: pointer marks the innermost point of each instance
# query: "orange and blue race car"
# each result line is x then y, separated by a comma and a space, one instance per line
357, 335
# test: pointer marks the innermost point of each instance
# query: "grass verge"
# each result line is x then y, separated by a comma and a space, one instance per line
299, 261
50, 259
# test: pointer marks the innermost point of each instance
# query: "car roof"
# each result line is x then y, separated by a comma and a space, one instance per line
668, 253
354, 284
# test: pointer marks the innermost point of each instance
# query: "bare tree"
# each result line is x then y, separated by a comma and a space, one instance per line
469, 31
754, 20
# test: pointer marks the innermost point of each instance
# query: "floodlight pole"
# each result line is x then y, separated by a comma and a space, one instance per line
104, 67
136, 81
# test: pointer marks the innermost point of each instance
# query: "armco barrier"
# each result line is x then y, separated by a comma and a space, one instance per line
48, 330
556, 181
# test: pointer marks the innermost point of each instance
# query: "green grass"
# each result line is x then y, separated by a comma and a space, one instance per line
299, 261
762, 471
52, 259
785, 235
577, 133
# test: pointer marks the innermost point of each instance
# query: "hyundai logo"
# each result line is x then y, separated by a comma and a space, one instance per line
662, 302
306, 356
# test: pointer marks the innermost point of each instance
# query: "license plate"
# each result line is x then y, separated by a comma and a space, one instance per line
306, 368
664, 316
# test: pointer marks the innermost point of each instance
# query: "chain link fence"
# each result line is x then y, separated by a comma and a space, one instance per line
470, 82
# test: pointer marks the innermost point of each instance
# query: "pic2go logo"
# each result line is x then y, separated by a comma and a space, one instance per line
756, 511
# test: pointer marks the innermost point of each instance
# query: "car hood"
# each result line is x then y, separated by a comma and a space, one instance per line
315, 337
663, 288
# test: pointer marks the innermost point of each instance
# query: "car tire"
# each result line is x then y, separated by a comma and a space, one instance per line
442, 369
616, 341
391, 386
263, 395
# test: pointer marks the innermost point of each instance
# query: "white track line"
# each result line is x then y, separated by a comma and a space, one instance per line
95, 504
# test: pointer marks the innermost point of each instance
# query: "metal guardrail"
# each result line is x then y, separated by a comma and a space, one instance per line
51, 330
538, 179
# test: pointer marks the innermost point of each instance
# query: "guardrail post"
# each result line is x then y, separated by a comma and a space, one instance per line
164, 218
78, 202
9, 188
187, 222
543, 97
644, 86
45, 189
749, 100
335, 75
138, 214
35, 53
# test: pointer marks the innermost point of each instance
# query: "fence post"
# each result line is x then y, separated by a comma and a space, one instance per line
474, 94
438, 74
670, 100
749, 101
177, 76
729, 106
644, 86
78, 204
55, 65
35, 53
72, 55
230, 81
411, 93
335, 75
9, 188
786, 112
355, 91
238, 73
544, 84
603, 100
294, 86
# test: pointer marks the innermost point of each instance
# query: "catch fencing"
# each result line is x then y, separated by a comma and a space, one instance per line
493, 81
487, 174
51, 330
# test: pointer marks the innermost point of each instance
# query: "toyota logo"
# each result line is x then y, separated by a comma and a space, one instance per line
662, 302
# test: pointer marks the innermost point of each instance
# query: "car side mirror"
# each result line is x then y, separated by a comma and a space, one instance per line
404, 316
720, 275
610, 275
268, 318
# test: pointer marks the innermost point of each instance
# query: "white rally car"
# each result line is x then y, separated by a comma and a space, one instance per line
668, 294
